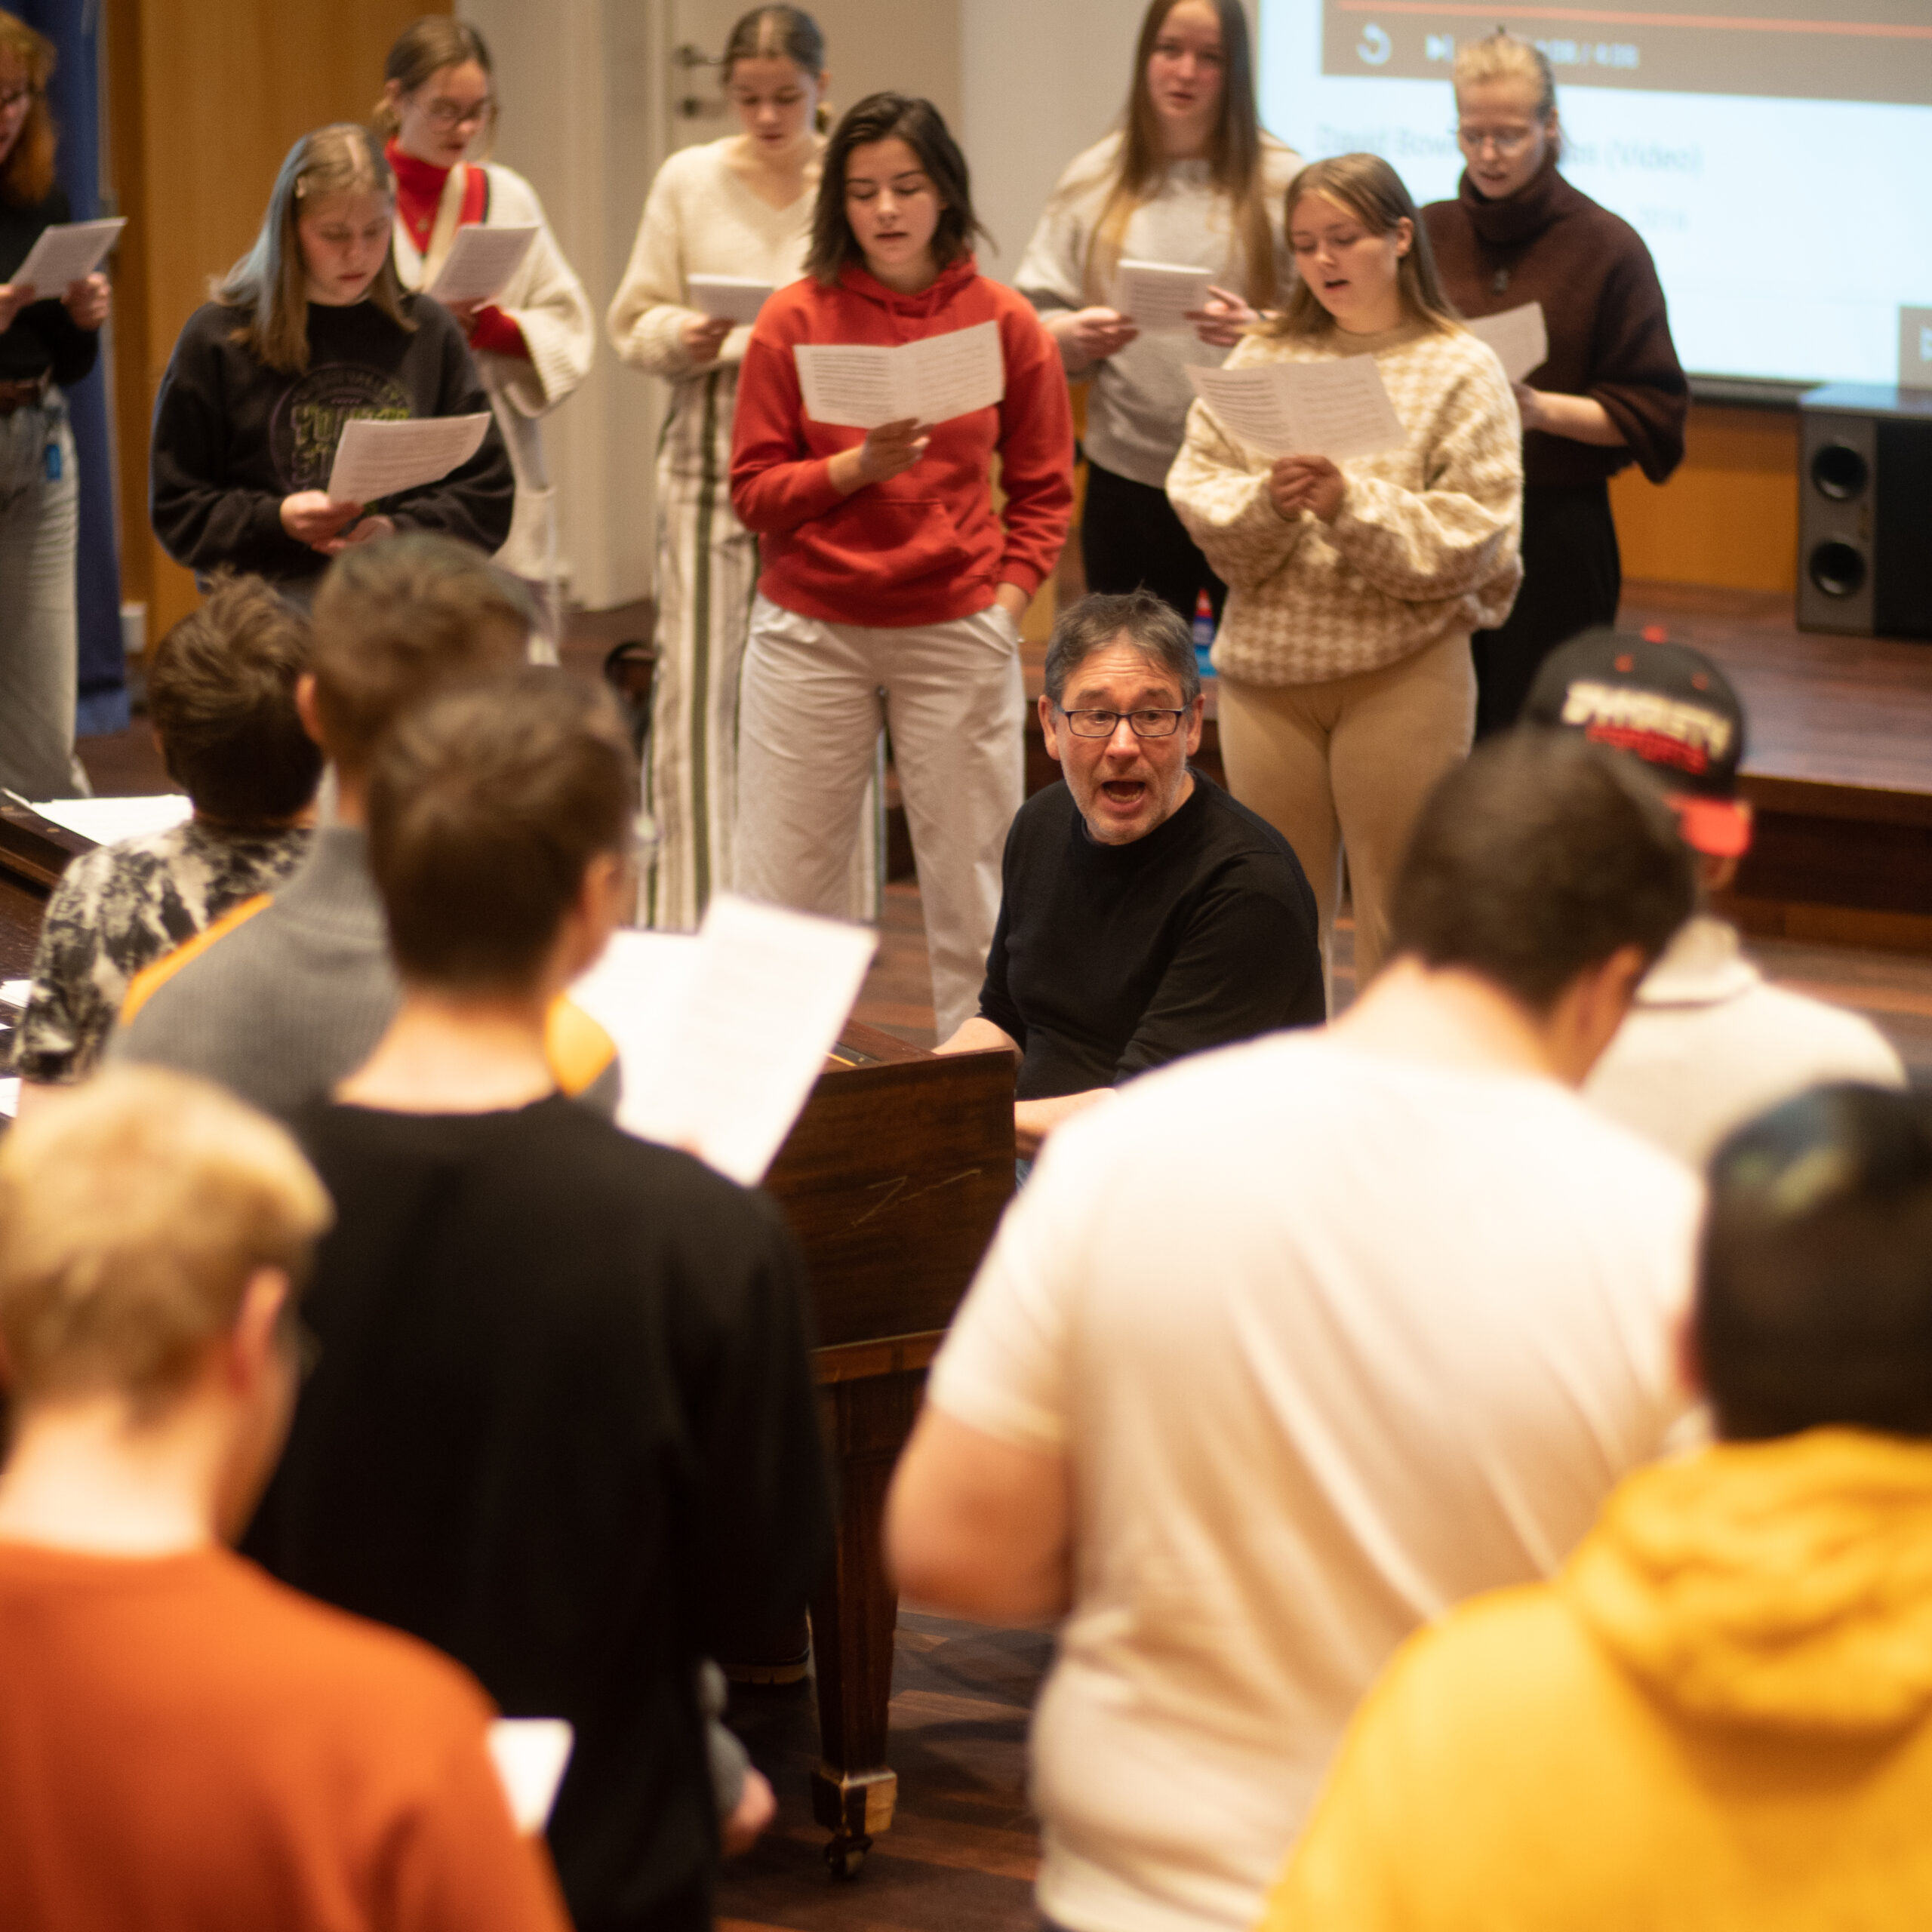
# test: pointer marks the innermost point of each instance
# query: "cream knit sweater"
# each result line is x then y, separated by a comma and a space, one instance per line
1425, 546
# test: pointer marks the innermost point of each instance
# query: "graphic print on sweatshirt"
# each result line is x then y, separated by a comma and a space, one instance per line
310, 419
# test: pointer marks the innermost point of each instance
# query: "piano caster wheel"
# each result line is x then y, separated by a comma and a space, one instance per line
846, 1856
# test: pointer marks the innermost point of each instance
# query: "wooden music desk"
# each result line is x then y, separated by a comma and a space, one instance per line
893, 1180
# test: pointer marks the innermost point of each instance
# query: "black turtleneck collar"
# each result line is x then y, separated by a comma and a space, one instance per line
1520, 216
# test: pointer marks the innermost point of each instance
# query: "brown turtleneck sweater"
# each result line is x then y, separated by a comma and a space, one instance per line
1609, 332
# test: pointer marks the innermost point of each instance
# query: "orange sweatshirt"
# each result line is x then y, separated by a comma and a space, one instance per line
183, 1742
926, 546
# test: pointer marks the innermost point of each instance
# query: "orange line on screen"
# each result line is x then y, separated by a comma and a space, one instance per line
1600, 16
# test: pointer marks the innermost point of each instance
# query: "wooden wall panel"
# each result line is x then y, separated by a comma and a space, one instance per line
205, 97
1728, 517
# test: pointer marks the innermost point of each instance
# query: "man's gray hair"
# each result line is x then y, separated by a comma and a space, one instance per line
1151, 625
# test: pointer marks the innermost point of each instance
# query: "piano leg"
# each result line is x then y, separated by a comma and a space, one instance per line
854, 1790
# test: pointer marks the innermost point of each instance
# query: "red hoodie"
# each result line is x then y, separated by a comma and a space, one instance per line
924, 546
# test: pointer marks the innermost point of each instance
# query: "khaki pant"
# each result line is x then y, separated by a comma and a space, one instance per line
1345, 764
814, 696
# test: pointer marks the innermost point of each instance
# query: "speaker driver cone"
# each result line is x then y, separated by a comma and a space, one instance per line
1840, 472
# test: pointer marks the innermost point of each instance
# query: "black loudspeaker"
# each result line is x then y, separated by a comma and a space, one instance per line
1865, 511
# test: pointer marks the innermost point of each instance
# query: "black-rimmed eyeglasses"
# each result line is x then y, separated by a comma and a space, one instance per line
1144, 723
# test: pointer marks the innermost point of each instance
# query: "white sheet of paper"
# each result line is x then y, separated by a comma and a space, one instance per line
10, 1098
1158, 296
1519, 337
720, 1037
481, 262
1338, 409
376, 459
16, 993
735, 298
106, 819
857, 386
67, 252
530, 1754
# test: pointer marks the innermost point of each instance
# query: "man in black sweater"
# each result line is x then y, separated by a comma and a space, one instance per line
562, 1424
1145, 913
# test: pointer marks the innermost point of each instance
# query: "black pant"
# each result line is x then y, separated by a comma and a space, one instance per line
1572, 578
1129, 537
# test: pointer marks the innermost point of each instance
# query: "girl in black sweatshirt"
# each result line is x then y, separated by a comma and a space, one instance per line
311, 329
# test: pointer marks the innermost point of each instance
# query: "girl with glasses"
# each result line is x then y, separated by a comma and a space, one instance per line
893, 586
742, 207
1189, 178
48, 342
1611, 392
1346, 689
309, 330
534, 341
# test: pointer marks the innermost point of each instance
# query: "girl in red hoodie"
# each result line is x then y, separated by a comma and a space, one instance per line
892, 588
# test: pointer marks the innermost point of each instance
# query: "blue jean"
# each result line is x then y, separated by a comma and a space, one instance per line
39, 642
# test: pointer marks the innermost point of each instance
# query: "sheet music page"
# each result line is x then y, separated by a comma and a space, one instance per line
1158, 296
376, 459
1340, 409
67, 252
530, 1754
955, 374
481, 262
1249, 404
721, 1034
1519, 337
104, 820
848, 384
734, 298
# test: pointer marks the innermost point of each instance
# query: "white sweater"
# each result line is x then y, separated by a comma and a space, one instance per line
1425, 546
1137, 407
545, 300
701, 217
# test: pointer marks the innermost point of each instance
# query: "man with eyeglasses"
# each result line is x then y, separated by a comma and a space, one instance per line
1145, 914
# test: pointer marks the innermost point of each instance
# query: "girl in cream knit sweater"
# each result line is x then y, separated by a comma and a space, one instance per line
1346, 687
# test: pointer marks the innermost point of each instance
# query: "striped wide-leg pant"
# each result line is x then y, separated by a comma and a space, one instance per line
707, 575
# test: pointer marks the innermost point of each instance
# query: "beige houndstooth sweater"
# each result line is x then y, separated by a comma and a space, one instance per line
1425, 546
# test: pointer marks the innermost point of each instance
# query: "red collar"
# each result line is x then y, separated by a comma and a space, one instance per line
418, 193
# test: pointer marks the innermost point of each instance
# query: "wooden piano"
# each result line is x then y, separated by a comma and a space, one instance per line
894, 1179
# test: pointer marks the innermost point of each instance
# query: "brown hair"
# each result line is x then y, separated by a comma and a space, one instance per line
27, 176
885, 117
1233, 155
421, 50
1150, 624
1370, 190
1536, 860
221, 695
398, 620
133, 1213
485, 807
778, 33
270, 280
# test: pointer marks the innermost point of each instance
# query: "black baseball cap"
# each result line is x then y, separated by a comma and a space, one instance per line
1666, 704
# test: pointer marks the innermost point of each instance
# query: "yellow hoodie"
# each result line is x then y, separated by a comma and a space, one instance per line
1714, 1718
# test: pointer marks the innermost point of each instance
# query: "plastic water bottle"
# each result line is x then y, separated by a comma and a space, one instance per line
1203, 633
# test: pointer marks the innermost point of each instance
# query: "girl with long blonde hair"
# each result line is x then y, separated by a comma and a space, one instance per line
1190, 179
1346, 687
309, 330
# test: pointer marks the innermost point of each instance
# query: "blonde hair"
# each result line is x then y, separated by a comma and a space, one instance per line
271, 281
421, 50
27, 176
1234, 157
134, 1210
1370, 190
1502, 57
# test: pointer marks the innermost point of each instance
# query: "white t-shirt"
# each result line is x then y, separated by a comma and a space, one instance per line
1331, 1340
1708, 1045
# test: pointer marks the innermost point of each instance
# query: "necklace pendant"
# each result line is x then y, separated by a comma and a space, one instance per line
1502, 281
